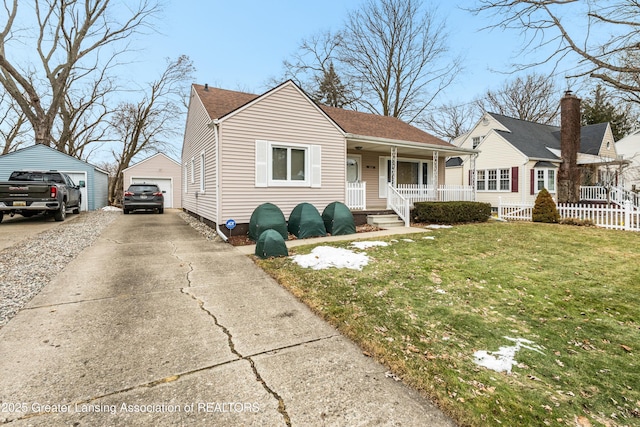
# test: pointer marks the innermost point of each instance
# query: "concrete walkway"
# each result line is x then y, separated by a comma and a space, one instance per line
154, 325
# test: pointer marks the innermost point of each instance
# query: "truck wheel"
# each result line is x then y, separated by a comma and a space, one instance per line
1, 215
76, 210
61, 213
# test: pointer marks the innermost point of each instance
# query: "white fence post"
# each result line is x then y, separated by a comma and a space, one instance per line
499, 207
627, 215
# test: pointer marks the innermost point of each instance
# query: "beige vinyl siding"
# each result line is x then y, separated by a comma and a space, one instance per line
198, 137
157, 166
610, 151
496, 153
283, 116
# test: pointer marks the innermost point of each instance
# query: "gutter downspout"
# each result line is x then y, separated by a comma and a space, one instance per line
216, 124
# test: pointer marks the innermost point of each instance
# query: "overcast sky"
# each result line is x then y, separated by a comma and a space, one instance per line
241, 44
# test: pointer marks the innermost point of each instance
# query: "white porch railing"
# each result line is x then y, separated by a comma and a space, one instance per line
416, 192
456, 193
400, 204
616, 195
356, 195
614, 217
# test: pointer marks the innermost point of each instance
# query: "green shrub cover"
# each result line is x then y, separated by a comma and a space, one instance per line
338, 219
545, 209
305, 221
451, 212
264, 217
271, 244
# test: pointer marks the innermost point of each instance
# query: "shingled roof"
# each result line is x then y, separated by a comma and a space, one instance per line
221, 102
534, 139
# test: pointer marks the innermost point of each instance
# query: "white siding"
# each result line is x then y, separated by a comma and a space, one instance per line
198, 137
285, 116
496, 153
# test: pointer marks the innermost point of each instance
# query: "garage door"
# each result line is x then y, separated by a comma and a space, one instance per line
77, 177
163, 183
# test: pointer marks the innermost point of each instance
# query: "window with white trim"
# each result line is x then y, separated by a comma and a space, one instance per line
493, 180
476, 141
193, 173
545, 178
202, 165
287, 165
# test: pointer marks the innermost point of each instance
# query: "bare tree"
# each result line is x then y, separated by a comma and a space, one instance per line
532, 98
12, 124
70, 36
449, 121
605, 41
397, 54
145, 126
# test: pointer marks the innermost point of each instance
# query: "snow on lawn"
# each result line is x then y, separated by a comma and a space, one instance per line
503, 359
367, 245
322, 257
436, 226
111, 209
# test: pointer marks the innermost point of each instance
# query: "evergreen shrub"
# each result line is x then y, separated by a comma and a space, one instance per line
451, 212
545, 209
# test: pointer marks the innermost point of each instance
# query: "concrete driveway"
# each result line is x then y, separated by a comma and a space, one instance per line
13, 230
154, 325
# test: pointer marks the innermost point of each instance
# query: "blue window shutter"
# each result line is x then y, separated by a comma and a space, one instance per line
262, 169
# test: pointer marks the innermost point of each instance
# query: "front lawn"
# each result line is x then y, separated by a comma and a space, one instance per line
423, 308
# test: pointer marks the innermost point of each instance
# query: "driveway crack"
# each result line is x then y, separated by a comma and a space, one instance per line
282, 408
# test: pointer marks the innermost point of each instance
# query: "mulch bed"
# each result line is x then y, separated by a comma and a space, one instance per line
243, 240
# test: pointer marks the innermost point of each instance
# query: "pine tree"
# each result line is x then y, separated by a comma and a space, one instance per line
599, 109
331, 91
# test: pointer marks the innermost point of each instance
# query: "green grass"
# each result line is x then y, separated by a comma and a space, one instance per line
424, 308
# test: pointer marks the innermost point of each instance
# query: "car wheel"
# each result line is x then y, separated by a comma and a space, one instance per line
1, 215
125, 211
61, 213
161, 210
76, 210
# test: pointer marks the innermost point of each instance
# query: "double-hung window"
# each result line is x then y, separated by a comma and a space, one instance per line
287, 164
545, 178
493, 180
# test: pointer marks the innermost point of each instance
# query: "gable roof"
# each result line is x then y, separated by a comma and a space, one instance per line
152, 157
221, 102
51, 151
534, 139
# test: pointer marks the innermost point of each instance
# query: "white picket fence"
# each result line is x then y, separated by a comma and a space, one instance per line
356, 195
624, 217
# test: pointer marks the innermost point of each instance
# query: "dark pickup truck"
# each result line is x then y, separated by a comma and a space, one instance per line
32, 192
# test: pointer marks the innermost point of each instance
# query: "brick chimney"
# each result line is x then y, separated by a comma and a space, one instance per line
569, 174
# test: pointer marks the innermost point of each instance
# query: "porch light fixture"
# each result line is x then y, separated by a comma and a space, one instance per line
358, 147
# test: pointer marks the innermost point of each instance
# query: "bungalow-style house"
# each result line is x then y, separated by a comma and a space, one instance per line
241, 150
519, 158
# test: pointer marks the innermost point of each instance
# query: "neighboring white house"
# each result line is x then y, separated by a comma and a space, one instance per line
241, 150
157, 169
629, 148
518, 158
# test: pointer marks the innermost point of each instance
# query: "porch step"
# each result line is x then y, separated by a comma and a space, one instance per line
385, 221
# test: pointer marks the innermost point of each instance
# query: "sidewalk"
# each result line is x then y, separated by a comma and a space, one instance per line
154, 325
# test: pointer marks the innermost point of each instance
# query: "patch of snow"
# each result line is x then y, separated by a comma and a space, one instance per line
429, 238
435, 226
440, 291
112, 209
407, 240
322, 257
367, 245
503, 359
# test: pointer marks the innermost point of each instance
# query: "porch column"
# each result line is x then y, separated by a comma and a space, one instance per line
394, 167
435, 174
472, 180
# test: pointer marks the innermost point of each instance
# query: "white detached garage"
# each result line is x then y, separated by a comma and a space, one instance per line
161, 170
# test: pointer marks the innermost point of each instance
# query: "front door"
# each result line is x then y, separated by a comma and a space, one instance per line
354, 169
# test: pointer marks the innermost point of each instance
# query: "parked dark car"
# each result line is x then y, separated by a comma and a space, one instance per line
143, 197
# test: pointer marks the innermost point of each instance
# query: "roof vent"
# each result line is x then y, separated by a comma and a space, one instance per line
206, 86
